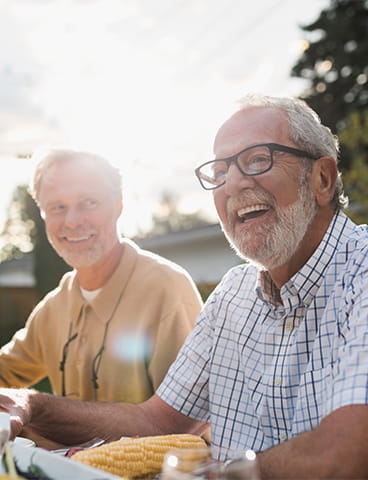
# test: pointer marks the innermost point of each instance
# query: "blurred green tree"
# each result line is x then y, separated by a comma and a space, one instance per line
24, 232
354, 136
335, 63
16, 236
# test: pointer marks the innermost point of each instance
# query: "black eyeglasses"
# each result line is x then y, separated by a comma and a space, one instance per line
251, 161
96, 362
63, 360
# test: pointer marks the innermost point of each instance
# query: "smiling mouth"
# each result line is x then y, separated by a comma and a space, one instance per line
254, 211
77, 239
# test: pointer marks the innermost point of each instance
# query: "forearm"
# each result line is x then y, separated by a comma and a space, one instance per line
71, 421
296, 458
337, 448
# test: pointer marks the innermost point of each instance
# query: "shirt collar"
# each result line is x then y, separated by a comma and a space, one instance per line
105, 303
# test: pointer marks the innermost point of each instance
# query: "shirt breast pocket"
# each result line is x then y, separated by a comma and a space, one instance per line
313, 395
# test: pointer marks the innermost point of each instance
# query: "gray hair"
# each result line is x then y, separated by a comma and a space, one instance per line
306, 131
47, 157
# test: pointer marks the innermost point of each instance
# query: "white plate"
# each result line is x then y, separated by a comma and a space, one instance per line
55, 466
26, 442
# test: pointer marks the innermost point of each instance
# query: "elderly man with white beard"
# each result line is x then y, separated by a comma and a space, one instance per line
278, 359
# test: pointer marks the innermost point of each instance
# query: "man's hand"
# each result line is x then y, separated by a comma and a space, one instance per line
16, 402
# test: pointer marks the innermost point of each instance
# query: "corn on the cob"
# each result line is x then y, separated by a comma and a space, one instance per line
133, 457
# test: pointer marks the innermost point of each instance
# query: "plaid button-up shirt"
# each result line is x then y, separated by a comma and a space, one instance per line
262, 371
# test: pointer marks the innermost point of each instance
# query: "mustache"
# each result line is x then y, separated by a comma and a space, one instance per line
249, 198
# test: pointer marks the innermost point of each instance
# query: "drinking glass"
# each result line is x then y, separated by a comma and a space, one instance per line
198, 464
240, 465
188, 464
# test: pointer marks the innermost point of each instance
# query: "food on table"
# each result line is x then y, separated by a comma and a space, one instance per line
136, 457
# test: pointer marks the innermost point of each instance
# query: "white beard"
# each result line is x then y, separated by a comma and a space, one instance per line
278, 241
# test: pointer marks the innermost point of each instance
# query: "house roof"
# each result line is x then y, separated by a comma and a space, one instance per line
203, 251
204, 232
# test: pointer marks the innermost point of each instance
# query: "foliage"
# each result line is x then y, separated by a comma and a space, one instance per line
355, 137
16, 237
24, 231
335, 62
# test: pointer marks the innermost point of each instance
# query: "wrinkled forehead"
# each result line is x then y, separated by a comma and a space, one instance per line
251, 126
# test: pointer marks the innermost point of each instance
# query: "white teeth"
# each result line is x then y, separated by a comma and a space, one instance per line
253, 208
79, 239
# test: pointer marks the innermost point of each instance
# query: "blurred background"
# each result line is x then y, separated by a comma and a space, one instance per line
146, 84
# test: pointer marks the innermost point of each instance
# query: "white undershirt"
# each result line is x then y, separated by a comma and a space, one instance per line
89, 295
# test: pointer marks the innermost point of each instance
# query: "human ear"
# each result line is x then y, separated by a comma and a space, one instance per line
324, 177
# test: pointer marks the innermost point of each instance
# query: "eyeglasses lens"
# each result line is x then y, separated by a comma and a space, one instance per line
252, 161
213, 173
255, 160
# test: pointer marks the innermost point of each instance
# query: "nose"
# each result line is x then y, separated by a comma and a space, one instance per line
72, 217
236, 181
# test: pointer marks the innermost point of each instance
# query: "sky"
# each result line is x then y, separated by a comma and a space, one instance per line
146, 83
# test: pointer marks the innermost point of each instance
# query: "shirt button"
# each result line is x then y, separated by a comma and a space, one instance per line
288, 326
277, 381
282, 436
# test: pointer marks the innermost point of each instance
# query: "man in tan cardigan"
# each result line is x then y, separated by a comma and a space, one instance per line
114, 324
